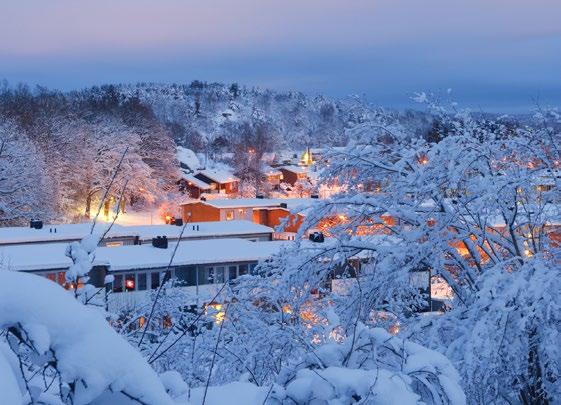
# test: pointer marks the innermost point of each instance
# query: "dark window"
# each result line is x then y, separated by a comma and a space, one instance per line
155, 279
118, 283
219, 275
233, 272
203, 276
243, 269
186, 275
142, 282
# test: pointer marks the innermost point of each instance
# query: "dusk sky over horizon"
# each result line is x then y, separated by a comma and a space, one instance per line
499, 55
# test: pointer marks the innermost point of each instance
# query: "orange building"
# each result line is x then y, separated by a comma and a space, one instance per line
265, 211
293, 174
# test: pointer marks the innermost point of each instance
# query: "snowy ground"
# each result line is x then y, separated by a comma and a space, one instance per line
148, 217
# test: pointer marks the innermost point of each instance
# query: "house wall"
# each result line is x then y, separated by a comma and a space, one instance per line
230, 188
227, 188
200, 212
272, 218
194, 191
229, 214
274, 180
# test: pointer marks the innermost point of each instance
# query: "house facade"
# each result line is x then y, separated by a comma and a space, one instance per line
269, 212
198, 267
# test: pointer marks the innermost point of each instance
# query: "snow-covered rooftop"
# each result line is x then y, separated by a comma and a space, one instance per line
205, 229
188, 158
189, 252
57, 232
220, 176
71, 232
192, 180
295, 169
270, 171
51, 256
291, 203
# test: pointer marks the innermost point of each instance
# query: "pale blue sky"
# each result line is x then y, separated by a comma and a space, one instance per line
497, 54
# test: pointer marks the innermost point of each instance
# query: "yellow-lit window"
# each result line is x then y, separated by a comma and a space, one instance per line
229, 215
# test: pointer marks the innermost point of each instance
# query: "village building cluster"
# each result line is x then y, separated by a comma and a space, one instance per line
214, 237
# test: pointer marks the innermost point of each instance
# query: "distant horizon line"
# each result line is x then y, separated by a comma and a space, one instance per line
520, 110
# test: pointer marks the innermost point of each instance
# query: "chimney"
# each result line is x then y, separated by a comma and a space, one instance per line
283, 205
317, 237
35, 224
160, 242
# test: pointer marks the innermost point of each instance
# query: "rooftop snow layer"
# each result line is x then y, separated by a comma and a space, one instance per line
192, 180
188, 253
188, 158
295, 169
51, 256
205, 229
71, 232
220, 176
292, 203
57, 232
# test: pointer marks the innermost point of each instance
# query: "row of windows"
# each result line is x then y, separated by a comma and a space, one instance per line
185, 276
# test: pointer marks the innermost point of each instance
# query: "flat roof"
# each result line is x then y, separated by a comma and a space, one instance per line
291, 203
188, 253
57, 232
68, 232
205, 229
51, 256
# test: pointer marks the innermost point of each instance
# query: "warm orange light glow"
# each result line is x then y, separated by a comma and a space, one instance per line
423, 159
394, 329
216, 312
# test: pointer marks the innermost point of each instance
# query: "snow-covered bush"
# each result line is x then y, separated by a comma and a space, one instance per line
65, 352
370, 366
508, 340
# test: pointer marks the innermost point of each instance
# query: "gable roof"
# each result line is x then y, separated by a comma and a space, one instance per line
219, 176
188, 158
193, 181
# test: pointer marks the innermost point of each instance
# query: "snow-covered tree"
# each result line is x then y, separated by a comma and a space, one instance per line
480, 204
23, 188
